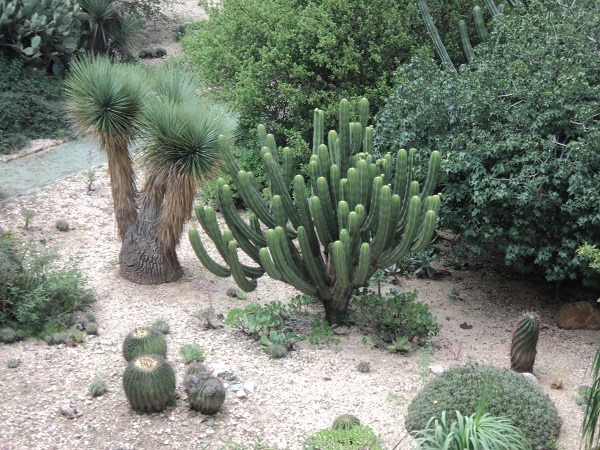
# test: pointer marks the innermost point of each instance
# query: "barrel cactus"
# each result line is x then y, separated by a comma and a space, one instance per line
8, 335
91, 328
62, 225
144, 341
206, 394
523, 347
149, 383
362, 215
161, 326
345, 422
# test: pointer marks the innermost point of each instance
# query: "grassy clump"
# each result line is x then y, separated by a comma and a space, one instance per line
37, 295
356, 438
510, 395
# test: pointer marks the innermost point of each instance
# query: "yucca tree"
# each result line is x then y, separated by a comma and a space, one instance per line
179, 135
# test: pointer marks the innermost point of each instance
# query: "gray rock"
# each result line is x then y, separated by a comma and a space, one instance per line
71, 411
532, 378
437, 369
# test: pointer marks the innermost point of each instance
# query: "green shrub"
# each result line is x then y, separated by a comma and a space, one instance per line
35, 294
250, 51
31, 105
519, 137
510, 395
356, 438
395, 315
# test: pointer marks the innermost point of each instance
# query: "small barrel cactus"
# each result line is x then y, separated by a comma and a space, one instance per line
161, 326
523, 347
8, 335
206, 394
91, 328
364, 367
345, 422
197, 368
90, 317
62, 225
149, 383
277, 351
13, 363
144, 341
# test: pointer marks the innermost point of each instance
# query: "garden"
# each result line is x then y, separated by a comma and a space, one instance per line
321, 289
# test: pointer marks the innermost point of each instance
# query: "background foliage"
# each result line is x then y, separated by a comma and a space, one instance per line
519, 132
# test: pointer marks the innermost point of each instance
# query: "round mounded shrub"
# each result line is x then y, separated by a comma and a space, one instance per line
509, 394
144, 341
149, 383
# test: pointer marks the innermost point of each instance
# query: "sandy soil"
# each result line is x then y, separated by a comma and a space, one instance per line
285, 399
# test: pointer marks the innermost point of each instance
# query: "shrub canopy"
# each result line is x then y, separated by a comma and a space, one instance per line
519, 133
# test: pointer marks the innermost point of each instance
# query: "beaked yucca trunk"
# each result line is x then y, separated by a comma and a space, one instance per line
143, 258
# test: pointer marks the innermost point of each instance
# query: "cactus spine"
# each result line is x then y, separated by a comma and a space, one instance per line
149, 383
360, 216
524, 343
144, 341
435, 35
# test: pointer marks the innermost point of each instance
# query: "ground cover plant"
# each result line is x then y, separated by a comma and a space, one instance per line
37, 296
516, 149
351, 225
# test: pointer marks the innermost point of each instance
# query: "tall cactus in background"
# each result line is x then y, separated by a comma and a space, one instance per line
435, 35
524, 343
480, 24
466, 42
362, 215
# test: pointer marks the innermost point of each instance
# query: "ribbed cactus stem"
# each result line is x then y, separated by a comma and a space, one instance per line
491, 6
318, 130
523, 346
435, 35
480, 24
466, 42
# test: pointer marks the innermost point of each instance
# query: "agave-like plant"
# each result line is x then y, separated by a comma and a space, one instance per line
179, 135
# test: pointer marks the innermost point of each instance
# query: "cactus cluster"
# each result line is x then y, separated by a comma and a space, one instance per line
362, 215
41, 29
523, 346
144, 341
149, 383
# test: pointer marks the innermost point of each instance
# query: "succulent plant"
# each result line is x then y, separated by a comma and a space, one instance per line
91, 328
13, 363
364, 367
345, 422
8, 335
197, 368
276, 344
98, 388
62, 225
232, 292
161, 326
204, 394
192, 352
523, 347
149, 383
144, 341
58, 338
90, 317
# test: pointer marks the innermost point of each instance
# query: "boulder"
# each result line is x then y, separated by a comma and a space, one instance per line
578, 316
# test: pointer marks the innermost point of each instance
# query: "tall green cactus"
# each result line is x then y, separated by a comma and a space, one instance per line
466, 42
435, 35
524, 343
362, 215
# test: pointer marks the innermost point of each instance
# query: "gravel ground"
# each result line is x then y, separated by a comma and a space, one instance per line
282, 400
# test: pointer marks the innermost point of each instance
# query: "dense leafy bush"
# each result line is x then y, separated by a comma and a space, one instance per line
519, 133
36, 295
509, 395
30, 105
276, 59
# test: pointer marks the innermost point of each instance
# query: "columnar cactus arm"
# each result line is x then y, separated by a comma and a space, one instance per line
333, 146
267, 263
277, 245
480, 24
324, 162
341, 264
426, 232
288, 166
356, 137
314, 264
304, 211
466, 42
411, 229
233, 219
238, 272
334, 183
280, 188
342, 214
491, 6
432, 175
202, 255
435, 35
363, 116
318, 130
371, 221
328, 208
343, 144
254, 199
401, 178
364, 264
208, 220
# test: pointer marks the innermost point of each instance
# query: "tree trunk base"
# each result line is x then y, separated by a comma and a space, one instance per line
142, 261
